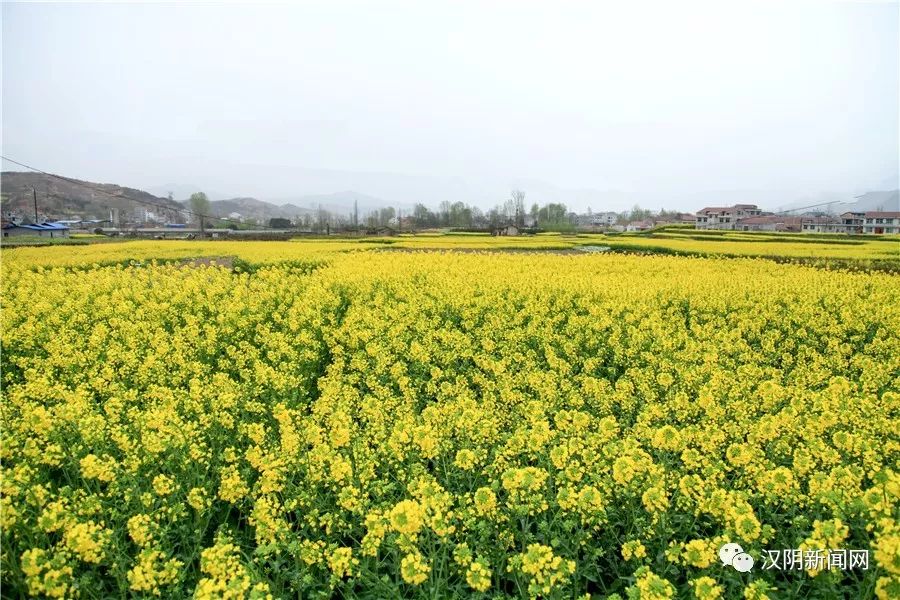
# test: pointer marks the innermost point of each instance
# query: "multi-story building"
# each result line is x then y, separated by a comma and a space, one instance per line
144, 215
725, 217
878, 222
604, 219
852, 222
872, 222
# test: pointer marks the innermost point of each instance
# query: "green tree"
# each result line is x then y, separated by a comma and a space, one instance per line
423, 217
280, 223
200, 208
639, 214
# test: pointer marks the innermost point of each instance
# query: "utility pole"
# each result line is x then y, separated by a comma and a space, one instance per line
34, 194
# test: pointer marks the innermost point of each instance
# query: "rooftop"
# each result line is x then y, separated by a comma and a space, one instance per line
45, 226
727, 208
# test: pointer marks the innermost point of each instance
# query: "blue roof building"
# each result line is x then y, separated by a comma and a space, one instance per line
45, 229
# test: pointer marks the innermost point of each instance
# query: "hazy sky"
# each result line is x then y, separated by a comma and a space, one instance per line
665, 103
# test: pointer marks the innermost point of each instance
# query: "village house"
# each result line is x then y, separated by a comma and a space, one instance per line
848, 222
44, 229
506, 230
639, 226
769, 223
383, 230
821, 225
603, 219
725, 217
678, 219
878, 222
852, 222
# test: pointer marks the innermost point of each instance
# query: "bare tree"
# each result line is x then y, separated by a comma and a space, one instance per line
518, 200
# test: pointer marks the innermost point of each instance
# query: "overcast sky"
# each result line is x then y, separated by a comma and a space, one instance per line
664, 103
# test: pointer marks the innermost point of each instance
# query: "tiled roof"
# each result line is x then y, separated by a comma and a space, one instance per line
728, 208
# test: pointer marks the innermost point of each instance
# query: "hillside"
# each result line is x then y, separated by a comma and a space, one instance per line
837, 203
253, 208
884, 201
59, 199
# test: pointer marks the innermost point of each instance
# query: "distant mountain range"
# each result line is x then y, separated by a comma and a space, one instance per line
251, 208
262, 211
278, 206
881, 201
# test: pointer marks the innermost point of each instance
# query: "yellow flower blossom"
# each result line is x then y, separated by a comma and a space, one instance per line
163, 485
414, 569
478, 576
633, 549
543, 568
152, 572
342, 562
140, 529
485, 501
706, 588
87, 540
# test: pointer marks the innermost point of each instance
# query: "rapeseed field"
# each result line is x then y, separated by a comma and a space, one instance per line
327, 419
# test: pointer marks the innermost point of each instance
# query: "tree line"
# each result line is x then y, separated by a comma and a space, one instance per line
551, 216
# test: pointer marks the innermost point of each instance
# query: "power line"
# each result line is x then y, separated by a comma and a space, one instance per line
810, 206
124, 197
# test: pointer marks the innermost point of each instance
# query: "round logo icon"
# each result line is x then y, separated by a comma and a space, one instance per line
742, 562
728, 552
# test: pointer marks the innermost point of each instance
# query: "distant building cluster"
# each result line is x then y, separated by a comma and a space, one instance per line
621, 222
874, 222
509, 218
748, 217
